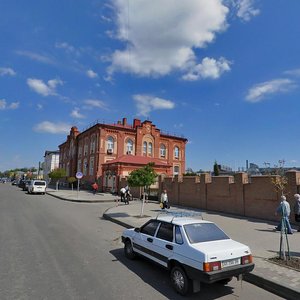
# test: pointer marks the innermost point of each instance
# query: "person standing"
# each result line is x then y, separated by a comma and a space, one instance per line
284, 211
297, 209
164, 199
95, 187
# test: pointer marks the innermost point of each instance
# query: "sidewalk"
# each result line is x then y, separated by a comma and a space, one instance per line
257, 234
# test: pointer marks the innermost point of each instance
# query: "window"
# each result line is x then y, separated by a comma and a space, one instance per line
150, 148
79, 151
79, 166
150, 228
165, 232
206, 232
129, 146
93, 145
176, 152
110, 143
85, 165
178, 235
162, 150
145, 148
91, 170
85, 149
176, 170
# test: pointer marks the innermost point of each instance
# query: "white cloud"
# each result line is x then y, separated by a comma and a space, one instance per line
294, 72
50, 127
260, 91
68, 48
4, 105
76, 114
209, 68
146, 103
246, 10
90, 73
42, 88
37, 57
7, 71
94, 103
155, 48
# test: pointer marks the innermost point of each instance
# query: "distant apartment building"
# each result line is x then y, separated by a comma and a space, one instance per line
108, 152
51, 162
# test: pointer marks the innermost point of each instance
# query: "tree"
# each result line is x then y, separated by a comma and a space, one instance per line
71, 180
216, 169
143, 177
57, 174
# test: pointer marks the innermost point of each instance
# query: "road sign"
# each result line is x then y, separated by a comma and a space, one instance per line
79, 175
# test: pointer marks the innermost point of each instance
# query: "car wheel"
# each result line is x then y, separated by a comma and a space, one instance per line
129, 253
180, 282
225, 281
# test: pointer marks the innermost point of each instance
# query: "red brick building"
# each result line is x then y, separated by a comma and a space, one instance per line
107, 152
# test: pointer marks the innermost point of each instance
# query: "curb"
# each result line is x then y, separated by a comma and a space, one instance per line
272, 287
80, 201
109, 218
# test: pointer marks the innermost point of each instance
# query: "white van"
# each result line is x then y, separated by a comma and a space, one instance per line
37, 186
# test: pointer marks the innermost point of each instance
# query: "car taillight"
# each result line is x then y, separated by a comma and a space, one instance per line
246, 259
212, 266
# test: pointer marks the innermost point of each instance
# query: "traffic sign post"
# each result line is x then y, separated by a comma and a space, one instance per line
78, 175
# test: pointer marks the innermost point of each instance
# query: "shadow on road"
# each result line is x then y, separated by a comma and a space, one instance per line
158, 278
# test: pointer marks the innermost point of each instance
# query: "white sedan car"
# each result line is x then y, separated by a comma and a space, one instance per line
193, 250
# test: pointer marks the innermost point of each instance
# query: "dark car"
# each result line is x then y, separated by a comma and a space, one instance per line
24, 184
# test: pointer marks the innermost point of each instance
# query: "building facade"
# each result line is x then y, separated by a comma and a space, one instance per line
108, 152
51, 162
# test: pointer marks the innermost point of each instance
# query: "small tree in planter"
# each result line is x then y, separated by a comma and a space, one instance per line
71, 180
143, 177
57, 174
280, 182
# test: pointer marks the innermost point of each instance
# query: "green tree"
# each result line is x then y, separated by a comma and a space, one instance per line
143, 177
216, 169
57, 174
71, 180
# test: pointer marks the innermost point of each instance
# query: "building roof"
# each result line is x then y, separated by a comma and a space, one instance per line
138, 160
51, 152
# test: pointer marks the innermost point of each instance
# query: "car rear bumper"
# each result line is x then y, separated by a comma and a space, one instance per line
211, 277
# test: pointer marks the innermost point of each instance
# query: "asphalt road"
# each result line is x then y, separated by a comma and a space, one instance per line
52, 249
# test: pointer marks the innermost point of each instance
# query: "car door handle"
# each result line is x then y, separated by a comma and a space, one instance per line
170, 247
150, 240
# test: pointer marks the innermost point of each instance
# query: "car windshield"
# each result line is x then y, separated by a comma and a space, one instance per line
204, 232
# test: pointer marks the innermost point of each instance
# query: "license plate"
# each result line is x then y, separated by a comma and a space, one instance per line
231, 262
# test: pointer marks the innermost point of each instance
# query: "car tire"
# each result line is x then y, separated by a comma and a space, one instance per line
180, 282
128, 250
225, 281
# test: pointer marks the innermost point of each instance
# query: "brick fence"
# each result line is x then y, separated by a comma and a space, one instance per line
240, 194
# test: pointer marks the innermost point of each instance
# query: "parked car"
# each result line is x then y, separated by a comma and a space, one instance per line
193, 250
23, 184
37, 186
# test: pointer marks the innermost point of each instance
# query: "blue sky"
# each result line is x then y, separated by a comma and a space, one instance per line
225, 74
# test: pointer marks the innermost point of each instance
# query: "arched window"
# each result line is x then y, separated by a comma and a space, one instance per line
145, 148
162, 150
176, 152
150, 148
129, 146
110, 143
176, 170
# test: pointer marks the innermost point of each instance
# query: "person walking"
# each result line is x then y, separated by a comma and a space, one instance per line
297, 210
284, 211
123, 193
164, 200
95, 187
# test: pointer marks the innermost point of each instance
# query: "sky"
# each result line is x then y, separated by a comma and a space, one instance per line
224, 74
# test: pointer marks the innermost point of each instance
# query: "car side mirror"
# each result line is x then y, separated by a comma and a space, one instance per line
137, 229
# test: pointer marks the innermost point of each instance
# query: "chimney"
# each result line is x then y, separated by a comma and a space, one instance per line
136, 123
124, 121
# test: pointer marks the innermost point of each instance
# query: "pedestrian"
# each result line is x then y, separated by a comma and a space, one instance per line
284, 211
164, 202
127, 195
297, 209
123, 193
95, 187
